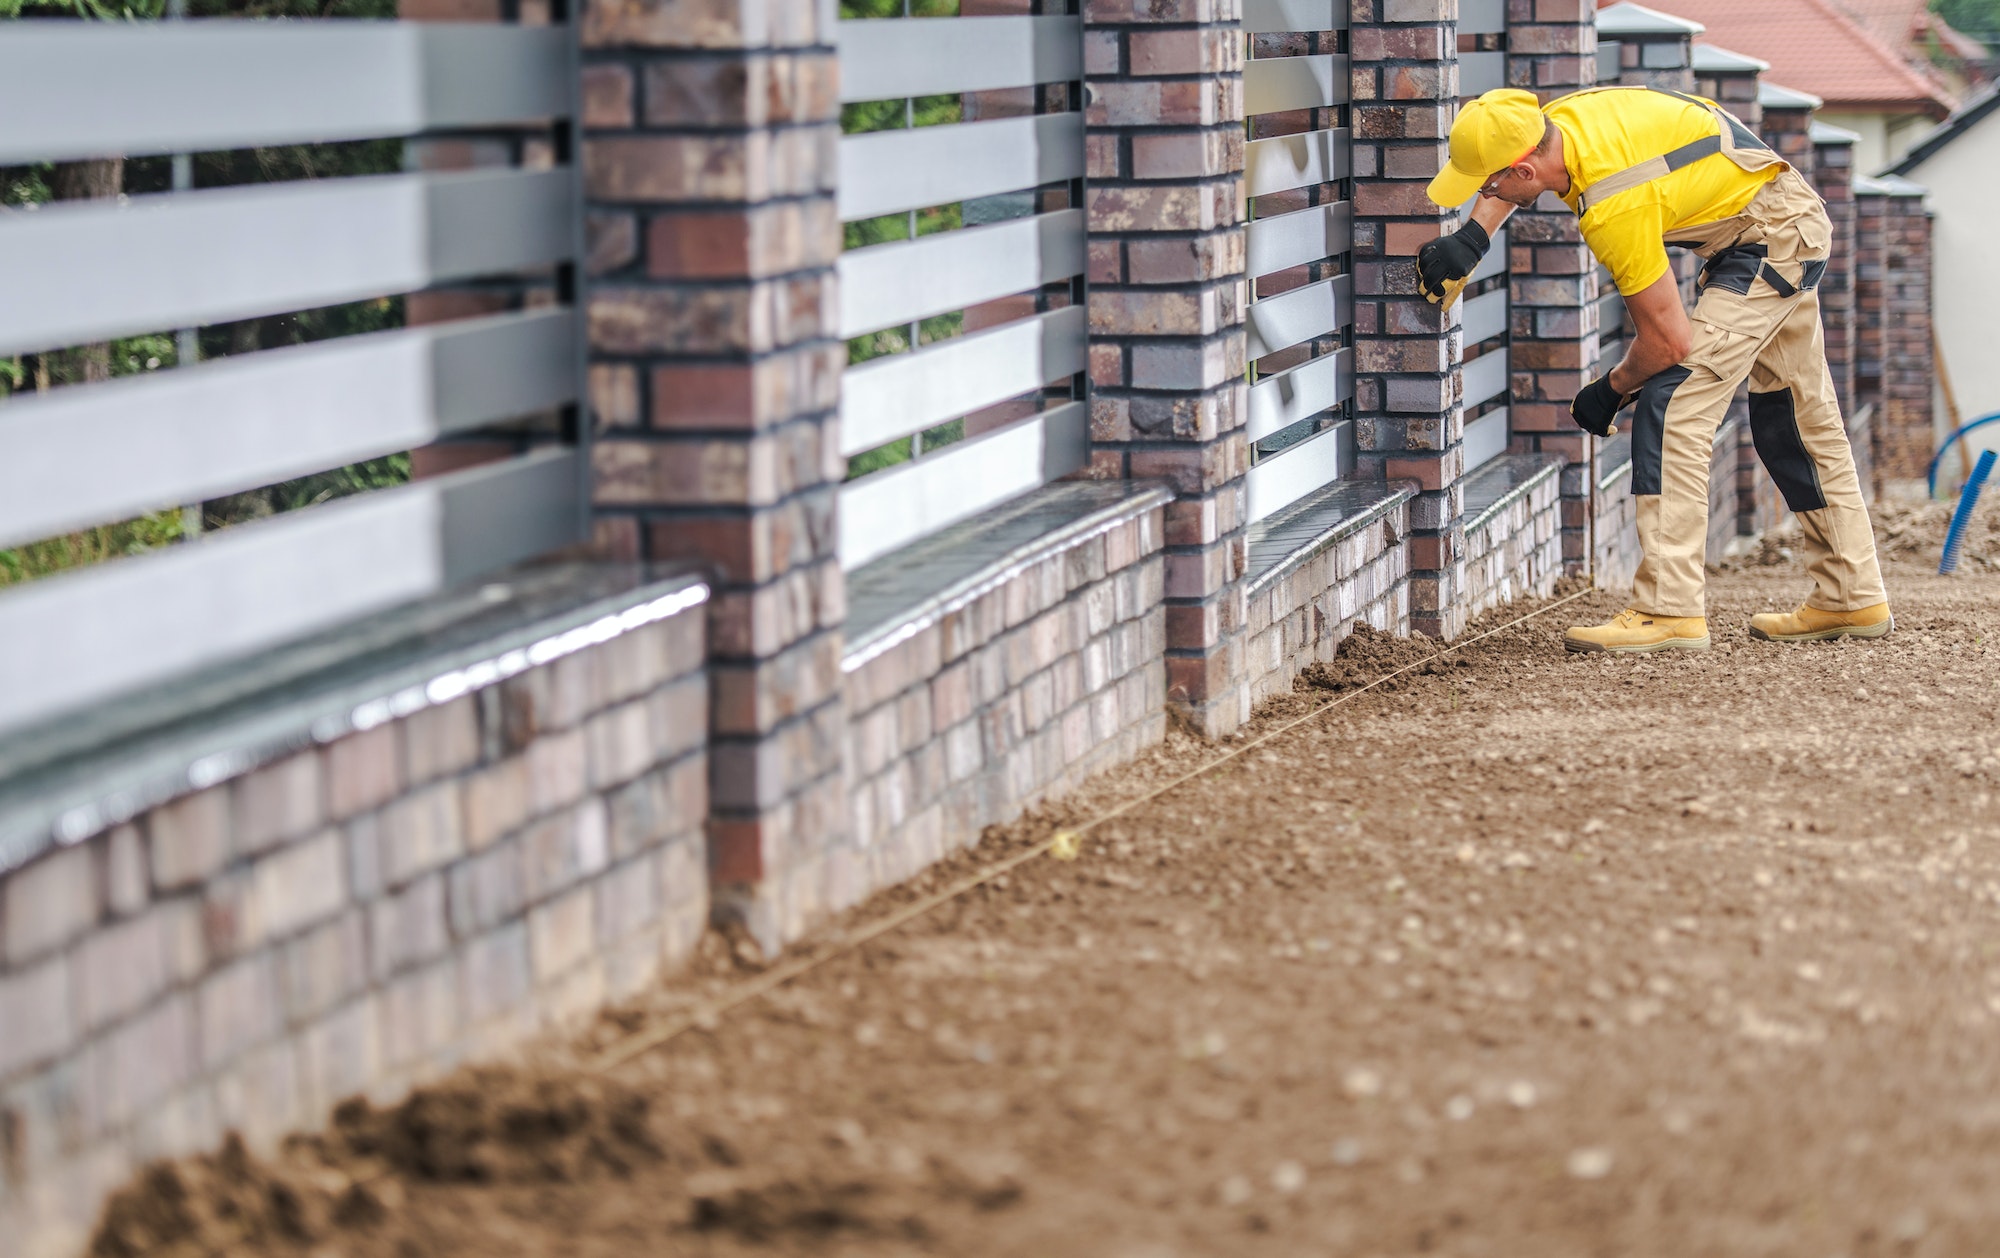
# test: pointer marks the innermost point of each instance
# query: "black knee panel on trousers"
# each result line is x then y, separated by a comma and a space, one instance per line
1774, 426
1649, 427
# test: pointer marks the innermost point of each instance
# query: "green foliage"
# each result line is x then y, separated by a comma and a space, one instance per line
123, 10
898, 451
1978, 18
894, 8
92, 546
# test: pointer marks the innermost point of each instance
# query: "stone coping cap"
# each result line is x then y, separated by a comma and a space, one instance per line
892, 598
1493, 487
1827, 133
63, 782
1319, 520
1722, 61
1637, 19
1776, 96
1887, 186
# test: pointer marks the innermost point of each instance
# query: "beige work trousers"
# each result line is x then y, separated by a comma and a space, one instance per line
1757, 316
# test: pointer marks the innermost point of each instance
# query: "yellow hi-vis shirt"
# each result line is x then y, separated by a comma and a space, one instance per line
1608, 131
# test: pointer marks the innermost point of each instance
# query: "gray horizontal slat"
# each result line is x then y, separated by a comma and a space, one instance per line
1482, 17
1294, 239
1486, 438
897, 395
1485, 377
1315, 309
891, 58
1283, 162
1277, 482
92, 454
1493, 263
94, 89
887, 171
1273, 85
896, 506
88, 271
882, 286
1299, 393
87, 636
1485, 316
1269, 16
1480, 72
1608, 58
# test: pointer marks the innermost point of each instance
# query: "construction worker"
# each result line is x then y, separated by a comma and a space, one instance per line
1643, 168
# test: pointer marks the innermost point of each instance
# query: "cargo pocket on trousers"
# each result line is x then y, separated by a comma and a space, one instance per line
1724, 351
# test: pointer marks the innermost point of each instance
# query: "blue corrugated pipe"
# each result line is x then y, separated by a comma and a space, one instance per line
1961, 519
1981, 422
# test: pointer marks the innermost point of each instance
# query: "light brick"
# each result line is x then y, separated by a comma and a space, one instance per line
323, 967
495, 975
258, 1096
618, 744
300, 885
628, 899
190, 839
487, 888
278, 802
126, 878
495, 801
420, 833
420, 1014
441, 740
143, 1061
37, 1018
364, 770
557, 774
122, 968
48, 903
559, 850
409, 927
560, 933
339, 1056
240, 1006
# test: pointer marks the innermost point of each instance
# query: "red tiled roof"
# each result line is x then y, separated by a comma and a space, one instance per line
1813, 46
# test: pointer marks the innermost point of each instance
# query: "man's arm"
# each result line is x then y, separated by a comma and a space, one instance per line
1664, 335
1491, 212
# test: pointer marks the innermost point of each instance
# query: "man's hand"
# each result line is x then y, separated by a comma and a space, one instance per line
1597, 406
1449, 258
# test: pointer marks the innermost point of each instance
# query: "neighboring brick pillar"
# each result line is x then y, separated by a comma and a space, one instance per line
1833, 178
1408, 421
1552, 289
1730, 79
1165, 121
714, 379
1904, 436
1871, 222
1655, 50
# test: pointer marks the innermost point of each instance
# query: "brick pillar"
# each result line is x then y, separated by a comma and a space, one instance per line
1833, 178
714, 379
1164, 204
1552, 290
1904, 436
1730, 80
1871, 222
1408, 421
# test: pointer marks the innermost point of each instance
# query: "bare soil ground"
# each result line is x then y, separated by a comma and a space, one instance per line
1531, 954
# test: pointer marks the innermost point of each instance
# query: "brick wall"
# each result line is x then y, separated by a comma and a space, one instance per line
1833, 179
1513, 547
1012, 690
1552, 290
1408, 422
1357, 570
1164, 115
710, 159
350, 918
1903, 425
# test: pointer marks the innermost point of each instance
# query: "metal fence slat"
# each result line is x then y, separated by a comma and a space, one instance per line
1294, 239
887, 171
97, 89
1283, 162
1485, 377
1485, 317
85, 636
92, 454
882, 286
1494, 263
79, 272
895, 507
1486, 438
1482, 17
892, 58
1271, 16
1298, 393
1480, 72
1273, 85
900, 394
1276, 323
1278, 482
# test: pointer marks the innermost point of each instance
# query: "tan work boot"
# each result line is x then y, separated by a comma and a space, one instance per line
1632, 631
1810, 624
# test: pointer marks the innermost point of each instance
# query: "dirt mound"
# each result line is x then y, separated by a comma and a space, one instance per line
1367, 654
487, 1126
1916, 532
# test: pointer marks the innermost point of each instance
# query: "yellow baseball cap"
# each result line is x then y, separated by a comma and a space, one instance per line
1492, 132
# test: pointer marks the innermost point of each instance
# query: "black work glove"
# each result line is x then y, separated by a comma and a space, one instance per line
1451, 257
1597, 405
